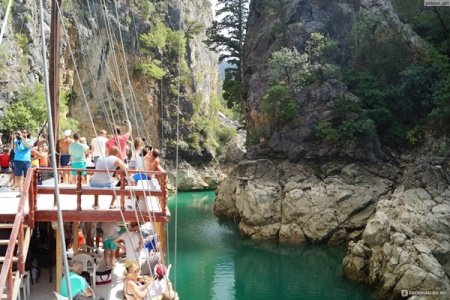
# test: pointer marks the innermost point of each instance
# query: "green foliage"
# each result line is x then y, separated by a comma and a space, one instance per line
183, 146
290, 68
393, 54
279, 106
28, 111
226, 134
156, 38
196, 101
415, 135
232, 87
193, 27
226, 36
147, 8
327, 132
151, 69
66, 22
431, 23
349, 124
4, 56
253, 137
64, 121
5, 5
344, 108
194, 142
22, 41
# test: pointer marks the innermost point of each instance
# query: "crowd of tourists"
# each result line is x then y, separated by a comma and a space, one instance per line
152, 284
114, 152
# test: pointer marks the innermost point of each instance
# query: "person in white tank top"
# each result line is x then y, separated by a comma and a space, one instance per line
111, 162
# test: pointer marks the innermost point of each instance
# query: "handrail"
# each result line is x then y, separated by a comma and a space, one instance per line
78, 189
17, 234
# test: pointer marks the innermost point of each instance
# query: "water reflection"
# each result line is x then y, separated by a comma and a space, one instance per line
214, 262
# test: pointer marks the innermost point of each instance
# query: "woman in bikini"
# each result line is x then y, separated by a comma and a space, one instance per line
131, 288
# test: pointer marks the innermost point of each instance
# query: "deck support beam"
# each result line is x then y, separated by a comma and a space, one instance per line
59, 257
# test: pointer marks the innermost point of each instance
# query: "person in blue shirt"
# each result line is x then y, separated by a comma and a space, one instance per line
78, 285
22, 157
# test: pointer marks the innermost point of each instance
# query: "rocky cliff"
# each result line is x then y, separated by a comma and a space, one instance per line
406, 244
100, 54
294, 187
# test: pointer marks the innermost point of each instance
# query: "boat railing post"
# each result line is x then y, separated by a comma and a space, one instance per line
79, 190
20, 245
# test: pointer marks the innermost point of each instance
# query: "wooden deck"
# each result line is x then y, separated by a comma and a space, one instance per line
147, 201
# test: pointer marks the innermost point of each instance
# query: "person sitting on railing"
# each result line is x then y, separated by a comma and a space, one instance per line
111, 162
151, 163
79, 288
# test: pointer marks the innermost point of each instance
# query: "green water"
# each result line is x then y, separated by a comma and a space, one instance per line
213, 262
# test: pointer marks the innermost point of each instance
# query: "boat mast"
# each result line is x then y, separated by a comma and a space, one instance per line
54, 66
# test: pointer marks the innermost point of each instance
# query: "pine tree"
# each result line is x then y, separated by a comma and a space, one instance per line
226, 35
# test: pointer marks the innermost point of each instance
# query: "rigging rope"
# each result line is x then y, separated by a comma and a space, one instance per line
110, 115
5, 21
52, 148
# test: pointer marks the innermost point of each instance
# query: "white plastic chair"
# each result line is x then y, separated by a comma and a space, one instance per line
60, 297
89, 264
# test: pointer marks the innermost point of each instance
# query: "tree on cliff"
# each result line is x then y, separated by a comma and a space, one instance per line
226, 35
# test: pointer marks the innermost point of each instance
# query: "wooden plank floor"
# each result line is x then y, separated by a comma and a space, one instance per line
47, 212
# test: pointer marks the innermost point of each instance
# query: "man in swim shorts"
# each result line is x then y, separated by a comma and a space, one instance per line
62, 147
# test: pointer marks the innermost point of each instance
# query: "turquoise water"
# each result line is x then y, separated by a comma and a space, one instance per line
213, 262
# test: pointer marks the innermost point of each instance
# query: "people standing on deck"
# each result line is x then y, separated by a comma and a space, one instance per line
136, 161
103, 179
4, 160
12, 182
120, 140
110, 232
98, 145
22, 158
62, 148
78, 285
131, 241
78, 153
132, 290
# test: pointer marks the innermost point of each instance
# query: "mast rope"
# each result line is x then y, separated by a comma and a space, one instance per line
52, 148
5, 21
110, 114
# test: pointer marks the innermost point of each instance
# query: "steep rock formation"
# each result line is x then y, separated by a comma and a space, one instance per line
293, 187
100, 49
298, 203
406, 245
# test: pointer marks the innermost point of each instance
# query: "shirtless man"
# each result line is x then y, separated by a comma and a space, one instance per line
151, 163
62, 147
151, 160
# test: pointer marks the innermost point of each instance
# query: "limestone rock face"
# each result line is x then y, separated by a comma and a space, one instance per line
100, 52
207, 177
293, 203
406, 245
